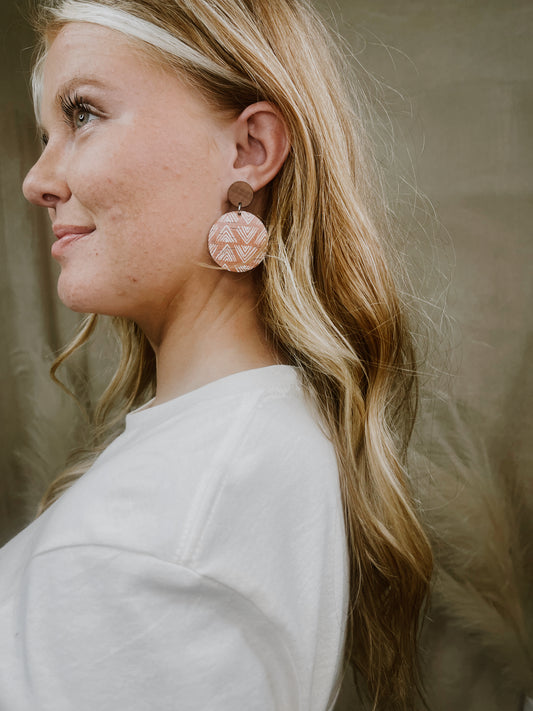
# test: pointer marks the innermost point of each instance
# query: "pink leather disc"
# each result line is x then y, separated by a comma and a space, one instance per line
238, 243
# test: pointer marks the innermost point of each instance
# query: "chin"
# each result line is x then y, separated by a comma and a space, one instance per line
72, 302
94, 295
80, 297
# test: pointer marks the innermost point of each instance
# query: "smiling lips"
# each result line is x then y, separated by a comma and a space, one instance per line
66, 234
62, 231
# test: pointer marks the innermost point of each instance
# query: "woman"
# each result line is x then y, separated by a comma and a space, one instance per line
251, 529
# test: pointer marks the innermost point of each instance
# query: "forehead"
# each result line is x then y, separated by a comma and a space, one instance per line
83, 55
81, 48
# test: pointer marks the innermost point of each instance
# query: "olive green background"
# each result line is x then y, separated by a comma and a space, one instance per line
456, 80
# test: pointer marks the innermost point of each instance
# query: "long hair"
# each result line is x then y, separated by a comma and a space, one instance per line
328, 297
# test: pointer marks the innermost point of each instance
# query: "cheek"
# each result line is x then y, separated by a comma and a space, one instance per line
112, 193
151, 196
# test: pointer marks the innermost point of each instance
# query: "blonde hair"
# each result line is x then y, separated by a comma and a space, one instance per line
327, 294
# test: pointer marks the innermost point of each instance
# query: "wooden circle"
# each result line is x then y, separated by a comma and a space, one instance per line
240, 193
238, 243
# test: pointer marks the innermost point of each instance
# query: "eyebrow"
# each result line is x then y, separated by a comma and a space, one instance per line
75, 82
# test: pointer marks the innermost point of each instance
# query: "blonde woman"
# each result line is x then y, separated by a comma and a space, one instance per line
249, 531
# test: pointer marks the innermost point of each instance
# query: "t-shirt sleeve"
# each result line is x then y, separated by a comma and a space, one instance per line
104, 628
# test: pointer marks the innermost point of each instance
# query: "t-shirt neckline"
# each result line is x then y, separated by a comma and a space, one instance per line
269, 376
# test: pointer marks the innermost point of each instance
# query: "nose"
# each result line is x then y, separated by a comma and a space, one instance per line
44, 185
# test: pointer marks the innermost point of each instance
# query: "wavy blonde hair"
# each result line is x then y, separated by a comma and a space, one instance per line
327, 293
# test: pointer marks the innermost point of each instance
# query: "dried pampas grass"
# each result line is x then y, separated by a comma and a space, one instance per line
475, 519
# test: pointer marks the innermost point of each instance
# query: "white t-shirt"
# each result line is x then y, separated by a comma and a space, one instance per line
199, 564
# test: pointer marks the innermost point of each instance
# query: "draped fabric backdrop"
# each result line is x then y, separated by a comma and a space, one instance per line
457, 80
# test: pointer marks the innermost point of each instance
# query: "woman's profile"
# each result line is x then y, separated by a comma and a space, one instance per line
242, 528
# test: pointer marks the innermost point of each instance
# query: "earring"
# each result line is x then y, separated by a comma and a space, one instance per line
238, 240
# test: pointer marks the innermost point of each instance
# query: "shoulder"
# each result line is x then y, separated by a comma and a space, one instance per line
237, 492
282, 432
251, 444
278, 475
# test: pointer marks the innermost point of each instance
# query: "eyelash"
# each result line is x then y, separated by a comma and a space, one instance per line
72, 105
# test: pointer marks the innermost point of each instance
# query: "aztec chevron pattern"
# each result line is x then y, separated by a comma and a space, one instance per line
238, 242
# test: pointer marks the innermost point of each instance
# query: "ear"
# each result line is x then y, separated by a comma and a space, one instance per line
262, 142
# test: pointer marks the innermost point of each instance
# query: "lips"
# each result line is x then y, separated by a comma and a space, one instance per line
67, 234
62, 231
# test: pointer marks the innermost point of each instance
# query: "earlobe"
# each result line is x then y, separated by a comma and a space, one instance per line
262, 144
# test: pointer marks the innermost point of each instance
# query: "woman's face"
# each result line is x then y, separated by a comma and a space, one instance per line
135, 170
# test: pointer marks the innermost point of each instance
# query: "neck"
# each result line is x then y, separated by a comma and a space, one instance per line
209, 336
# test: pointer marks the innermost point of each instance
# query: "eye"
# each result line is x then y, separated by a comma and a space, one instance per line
82, 117
76, 111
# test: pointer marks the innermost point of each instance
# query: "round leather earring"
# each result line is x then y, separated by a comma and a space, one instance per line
238, 240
